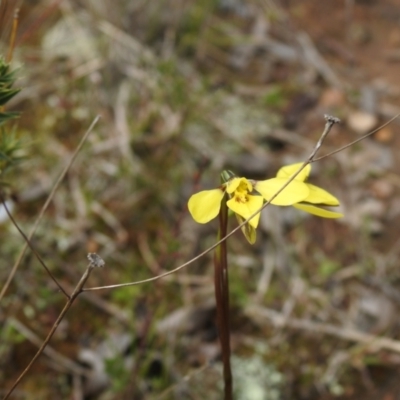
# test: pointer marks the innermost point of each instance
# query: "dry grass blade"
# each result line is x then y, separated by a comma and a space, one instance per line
29, 243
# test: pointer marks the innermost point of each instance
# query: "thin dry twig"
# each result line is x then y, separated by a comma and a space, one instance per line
358, 140
94, 261
104, 305
312, 55
45, 206
330, 121
29, 243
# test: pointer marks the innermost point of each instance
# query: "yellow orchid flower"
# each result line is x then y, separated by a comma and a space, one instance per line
316, 195
245, 198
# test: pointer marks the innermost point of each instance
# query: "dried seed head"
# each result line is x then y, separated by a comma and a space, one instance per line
95, 260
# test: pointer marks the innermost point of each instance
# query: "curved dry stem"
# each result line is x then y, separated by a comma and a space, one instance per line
45, 206
203, 253
330, 121
29, 243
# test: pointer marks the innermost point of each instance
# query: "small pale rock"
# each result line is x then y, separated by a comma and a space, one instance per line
382, 189
384, 135
362, 122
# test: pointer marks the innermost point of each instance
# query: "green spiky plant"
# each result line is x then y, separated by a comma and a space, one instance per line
9, 144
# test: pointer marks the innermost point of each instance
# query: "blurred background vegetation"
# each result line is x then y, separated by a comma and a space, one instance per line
186, 89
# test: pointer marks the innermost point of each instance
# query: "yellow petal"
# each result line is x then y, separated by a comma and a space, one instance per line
247, 208
239, 184
320, 212
232, 185
205, 205
289, 170
293, 193
320, 196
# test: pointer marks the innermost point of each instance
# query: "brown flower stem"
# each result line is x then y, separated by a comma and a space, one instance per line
222, 300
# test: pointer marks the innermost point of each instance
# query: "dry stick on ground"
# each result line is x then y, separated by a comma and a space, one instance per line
330, 121
372, 342
44, 208
95, 261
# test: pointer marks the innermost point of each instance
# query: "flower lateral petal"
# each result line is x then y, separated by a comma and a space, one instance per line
320, 212
245, 209
248, 231
204, 206
293, 193
320, 196
289, 170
